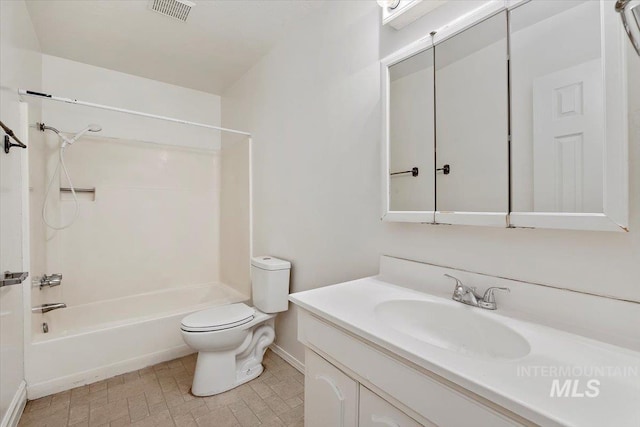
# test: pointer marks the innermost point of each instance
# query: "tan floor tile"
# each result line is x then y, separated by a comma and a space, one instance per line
246, 417
156, 408
261, 389
222, 417
98, 386
294, 402
120, 422
186, 407
186, 420
138, 408
255, 403
200, 411
292, 416
160, 419
78, 413
37, 404
159, 396
276, 404
288, 388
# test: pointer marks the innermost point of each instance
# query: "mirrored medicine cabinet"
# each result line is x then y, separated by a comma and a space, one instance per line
514, 116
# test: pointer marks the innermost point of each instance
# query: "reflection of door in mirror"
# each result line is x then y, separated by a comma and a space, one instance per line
411, 133
472, 119
557, 107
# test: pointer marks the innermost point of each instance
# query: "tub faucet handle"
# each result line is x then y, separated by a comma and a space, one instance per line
51, 280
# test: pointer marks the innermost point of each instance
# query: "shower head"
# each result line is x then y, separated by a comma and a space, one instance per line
74, 138
68, 141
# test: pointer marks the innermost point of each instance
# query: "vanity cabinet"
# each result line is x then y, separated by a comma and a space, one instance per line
333, 398
346, 377
376, 412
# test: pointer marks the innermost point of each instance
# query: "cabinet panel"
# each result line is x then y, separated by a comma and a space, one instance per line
377, 412
331, 397
427, 397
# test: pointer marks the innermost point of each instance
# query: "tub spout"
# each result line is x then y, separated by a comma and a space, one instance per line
45, 308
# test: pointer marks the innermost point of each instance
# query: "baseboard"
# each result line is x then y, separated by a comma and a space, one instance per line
287, 357
14, 411
68, 382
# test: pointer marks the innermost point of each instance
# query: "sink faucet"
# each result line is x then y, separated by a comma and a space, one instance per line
468, 295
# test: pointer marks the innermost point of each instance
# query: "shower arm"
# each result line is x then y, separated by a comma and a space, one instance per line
621, 6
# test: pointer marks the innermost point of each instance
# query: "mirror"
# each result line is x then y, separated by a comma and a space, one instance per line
472, 119
569, 147
411, 134
557, 107
514, 115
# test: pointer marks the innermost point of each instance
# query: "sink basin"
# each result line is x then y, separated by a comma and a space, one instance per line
456, 328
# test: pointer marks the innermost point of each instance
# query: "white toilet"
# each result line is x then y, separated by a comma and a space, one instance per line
231, 339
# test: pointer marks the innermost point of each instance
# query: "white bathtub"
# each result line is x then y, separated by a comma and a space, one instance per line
91, 342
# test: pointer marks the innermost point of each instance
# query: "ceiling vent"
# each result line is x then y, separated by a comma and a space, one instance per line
177, 9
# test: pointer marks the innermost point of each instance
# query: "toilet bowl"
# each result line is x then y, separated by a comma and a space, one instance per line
231, 340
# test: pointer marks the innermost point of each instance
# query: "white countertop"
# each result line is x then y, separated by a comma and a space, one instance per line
351, 306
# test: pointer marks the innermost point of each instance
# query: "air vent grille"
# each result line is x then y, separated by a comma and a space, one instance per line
178, 9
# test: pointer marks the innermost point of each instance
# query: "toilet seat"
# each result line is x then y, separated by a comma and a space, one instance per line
218, 318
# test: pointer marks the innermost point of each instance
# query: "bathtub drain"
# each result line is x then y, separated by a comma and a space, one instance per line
45, 327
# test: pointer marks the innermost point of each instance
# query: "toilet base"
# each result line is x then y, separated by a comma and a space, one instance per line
220, 371
214, 375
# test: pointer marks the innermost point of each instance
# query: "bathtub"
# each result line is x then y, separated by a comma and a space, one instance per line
91, 342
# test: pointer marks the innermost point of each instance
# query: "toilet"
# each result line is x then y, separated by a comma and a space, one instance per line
232, 339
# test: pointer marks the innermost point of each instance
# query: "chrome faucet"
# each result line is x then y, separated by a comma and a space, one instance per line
45, 308
468, 295
50, 281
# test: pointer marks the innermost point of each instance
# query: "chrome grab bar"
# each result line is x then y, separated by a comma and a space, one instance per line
9, 278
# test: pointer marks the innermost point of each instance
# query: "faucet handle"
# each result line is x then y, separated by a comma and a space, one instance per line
458, 281
459, 289
489, 300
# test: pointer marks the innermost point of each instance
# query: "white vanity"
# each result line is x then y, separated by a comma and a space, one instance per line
395, 350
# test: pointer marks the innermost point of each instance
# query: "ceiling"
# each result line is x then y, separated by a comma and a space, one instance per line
220, 41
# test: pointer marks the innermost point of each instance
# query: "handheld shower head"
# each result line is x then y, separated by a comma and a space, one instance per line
74, 138
68, 141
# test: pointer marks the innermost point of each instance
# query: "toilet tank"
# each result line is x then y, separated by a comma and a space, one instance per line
270, 283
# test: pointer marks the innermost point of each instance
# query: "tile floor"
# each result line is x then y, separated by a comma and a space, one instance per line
159, 396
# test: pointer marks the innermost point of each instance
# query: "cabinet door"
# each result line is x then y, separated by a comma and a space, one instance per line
330, 397
376, 412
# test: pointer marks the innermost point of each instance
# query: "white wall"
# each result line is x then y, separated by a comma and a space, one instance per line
313, 106
70, 79
154, 222
20, 64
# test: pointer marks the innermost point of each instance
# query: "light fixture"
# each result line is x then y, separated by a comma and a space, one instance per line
388, 4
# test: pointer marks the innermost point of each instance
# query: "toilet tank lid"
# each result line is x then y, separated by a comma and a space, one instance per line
267, 262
